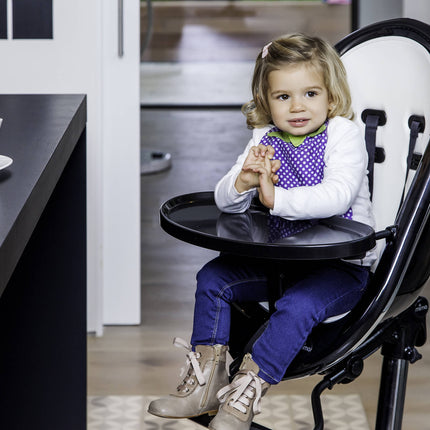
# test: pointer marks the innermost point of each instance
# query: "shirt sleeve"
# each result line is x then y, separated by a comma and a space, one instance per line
345, 169
227, 198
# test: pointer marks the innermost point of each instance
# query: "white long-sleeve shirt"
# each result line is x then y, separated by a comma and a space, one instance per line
344, 185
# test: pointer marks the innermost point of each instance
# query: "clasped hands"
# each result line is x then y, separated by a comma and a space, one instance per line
259, 171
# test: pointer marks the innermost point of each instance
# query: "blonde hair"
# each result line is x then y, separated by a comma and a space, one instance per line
294, 49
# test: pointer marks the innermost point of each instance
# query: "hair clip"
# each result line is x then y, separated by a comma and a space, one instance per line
265, 50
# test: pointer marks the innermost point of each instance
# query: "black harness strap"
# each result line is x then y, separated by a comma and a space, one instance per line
370, 136
372, 118
416, 125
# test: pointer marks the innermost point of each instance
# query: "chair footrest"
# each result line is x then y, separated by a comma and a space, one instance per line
255, 426
204, 421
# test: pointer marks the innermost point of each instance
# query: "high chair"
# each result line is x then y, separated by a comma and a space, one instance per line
388, 66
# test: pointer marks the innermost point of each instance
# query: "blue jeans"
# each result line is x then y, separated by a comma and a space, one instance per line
317, 291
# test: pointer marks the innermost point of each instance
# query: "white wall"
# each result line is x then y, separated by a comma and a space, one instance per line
82, 58
371, 11
417, 9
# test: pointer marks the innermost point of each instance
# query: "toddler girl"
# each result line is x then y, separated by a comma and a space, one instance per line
306, 160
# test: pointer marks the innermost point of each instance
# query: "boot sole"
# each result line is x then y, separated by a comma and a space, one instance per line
210, 413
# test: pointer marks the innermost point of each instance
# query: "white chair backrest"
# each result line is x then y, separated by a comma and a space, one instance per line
391, 74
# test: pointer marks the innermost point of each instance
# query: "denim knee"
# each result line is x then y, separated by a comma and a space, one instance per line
209, 280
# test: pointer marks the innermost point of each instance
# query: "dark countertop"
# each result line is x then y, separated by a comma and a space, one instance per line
39, 132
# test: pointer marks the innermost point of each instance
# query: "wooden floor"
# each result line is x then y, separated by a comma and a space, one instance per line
233, 30
141, 359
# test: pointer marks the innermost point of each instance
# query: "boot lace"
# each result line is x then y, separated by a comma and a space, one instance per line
192, 369
241, 392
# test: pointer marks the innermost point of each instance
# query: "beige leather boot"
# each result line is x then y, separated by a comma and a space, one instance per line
196, 394
240, 400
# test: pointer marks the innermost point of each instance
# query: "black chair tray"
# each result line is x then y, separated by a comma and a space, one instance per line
195, 218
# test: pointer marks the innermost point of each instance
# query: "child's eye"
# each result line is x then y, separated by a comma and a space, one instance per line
311, 93
284, 97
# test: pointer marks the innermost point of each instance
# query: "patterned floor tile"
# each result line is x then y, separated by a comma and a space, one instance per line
279, 412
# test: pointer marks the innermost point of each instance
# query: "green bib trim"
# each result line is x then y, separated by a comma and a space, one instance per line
296, 141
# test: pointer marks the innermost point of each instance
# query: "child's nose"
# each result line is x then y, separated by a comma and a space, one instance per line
296, 105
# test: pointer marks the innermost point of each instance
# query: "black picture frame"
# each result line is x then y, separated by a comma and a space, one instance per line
3, 19
32, 19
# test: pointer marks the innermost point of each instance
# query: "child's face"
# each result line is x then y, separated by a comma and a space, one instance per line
298, 99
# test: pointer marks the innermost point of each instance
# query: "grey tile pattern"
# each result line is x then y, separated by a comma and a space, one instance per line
279, 412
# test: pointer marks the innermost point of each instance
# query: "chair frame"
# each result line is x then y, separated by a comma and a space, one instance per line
393, 320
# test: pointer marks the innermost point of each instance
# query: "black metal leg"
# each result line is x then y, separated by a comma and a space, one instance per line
398, 351
392, 393
316, 404
277, 284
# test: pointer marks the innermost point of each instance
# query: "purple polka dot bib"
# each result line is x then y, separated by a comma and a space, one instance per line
302, 165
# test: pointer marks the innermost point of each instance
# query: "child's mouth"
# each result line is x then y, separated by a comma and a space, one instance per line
299, 122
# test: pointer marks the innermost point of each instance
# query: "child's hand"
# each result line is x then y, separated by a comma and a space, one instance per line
266, 190
257, 158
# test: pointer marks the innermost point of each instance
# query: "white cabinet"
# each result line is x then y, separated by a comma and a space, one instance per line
121, 154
